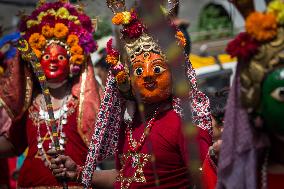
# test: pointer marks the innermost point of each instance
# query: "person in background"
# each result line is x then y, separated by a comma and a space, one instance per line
218, 103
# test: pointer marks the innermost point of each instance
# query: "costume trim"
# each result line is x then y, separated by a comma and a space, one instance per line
80, 110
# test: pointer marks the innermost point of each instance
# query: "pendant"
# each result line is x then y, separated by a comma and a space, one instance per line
39, 145
61, 141
135, 160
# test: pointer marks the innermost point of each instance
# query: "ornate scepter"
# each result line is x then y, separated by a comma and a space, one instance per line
29, 56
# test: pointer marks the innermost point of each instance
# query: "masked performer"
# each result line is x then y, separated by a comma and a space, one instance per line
150, 150
252, 151
60, 35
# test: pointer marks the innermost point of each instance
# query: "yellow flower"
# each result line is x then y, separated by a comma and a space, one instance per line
62, 13
41, 15
181, 38
126, 17
111, 60
37, 53
76, 49
277, 7
261, 26
72, 18
77, 22
72, 40
47, 31
121, 77
51, 12
31, 23
60, 30
37, 41
77, 59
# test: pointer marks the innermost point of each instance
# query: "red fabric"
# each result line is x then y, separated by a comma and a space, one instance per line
169, 147
275, 181
12, 167
33, 172
204, 140
208, 175
4, 173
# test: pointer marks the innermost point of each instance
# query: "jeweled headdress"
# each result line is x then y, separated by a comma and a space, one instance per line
61, 23
259, 50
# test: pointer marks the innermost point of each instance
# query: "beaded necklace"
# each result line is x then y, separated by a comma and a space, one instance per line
62, 117
134, 145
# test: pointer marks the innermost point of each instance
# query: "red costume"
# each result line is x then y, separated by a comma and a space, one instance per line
169, 148
75, 146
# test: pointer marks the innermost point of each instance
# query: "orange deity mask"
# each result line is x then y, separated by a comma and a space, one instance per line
150, 78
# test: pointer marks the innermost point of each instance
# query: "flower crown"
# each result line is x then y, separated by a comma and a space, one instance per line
61, 23
259, 50
136, 39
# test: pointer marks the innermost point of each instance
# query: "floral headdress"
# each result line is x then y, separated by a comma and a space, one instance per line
258, 50
61, 23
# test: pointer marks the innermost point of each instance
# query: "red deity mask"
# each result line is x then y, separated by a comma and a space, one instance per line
55, 63
151, 78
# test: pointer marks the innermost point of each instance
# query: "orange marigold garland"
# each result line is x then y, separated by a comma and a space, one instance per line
117, 19
261, 26
37, 41
181, 38
47, 31
121, 77
77, 59
76, 49
60, 30
72, 40
112, 60
37, 53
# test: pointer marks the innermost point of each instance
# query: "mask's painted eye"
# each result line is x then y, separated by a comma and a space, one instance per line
46, 57
278, 94
138, 71
61, 57
158, 69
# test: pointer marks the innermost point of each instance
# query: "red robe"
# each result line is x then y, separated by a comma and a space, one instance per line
166, 145
24, 134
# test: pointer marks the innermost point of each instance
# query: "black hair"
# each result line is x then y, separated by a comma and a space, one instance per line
218, 103
102, 61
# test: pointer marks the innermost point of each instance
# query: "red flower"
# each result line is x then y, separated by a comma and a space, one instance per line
110, 50
133, 30
243, 46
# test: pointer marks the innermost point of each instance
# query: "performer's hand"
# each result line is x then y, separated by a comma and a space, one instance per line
63, 167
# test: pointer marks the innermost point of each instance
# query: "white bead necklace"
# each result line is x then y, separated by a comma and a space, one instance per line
60, 115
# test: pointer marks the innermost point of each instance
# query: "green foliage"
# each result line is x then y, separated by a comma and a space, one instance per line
214, 22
